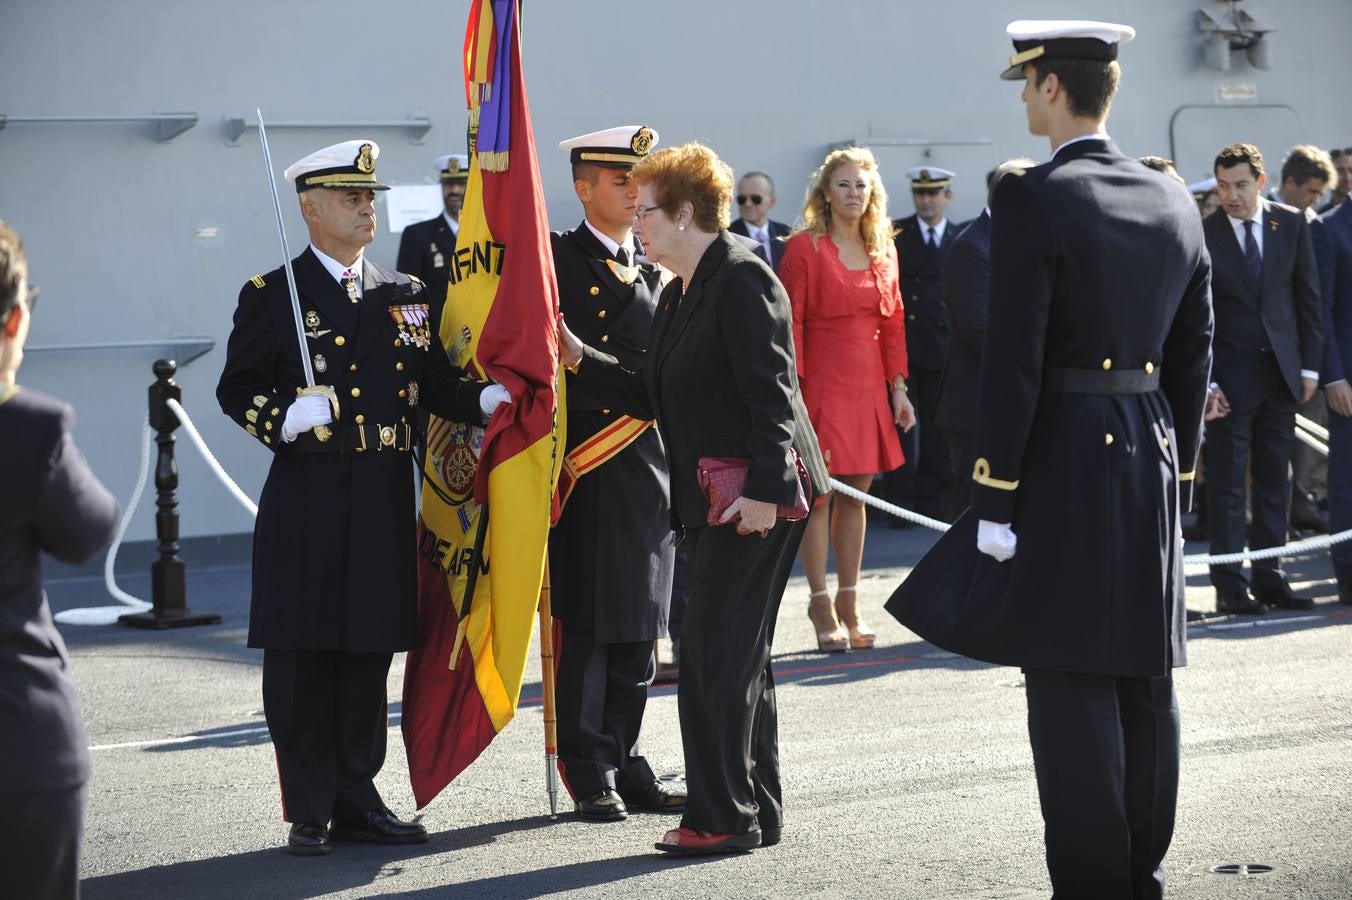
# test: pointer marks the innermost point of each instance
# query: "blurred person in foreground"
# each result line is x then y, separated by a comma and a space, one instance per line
1069, 563
1332, 233
719, 377
840, 271
1342, 164
53, 504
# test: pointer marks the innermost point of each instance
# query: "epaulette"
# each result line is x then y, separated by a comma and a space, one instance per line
257, 281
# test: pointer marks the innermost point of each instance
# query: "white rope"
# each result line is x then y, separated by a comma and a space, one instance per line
890, 509
108, 615
188, 426
1309, 439
1298, 548
1313, 428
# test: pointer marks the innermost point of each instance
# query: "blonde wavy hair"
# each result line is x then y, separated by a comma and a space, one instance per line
874, 227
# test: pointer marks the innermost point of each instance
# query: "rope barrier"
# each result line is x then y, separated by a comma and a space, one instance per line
1312, 441
1313, 428
177, 409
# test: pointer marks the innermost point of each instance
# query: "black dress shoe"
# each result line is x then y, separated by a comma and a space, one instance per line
771, 834
603, 806
658, 797
309, 839
1279, 596
1231, 601
378, 827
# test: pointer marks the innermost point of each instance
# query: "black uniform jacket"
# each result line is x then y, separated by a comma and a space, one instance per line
334, 564
426, 251
720, 379
922, 292
611, 553
1098, 265
1333, 251
1283, 314
966, 280
53, 504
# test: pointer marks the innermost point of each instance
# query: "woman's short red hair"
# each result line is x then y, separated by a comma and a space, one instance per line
690, 173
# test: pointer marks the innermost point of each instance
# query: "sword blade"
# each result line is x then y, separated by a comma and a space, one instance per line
286, 259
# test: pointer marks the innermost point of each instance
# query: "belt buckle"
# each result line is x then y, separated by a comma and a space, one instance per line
386, 436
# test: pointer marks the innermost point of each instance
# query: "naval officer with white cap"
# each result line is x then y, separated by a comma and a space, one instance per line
1093, 382
334, 566
612, 552
427, 248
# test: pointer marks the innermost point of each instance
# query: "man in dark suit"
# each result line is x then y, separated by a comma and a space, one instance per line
755, 197
925, 481
1269, 347
1332, 234
53, 504
966, 282
334, 565
1093, 382
426, 248
1342, 164
611, 552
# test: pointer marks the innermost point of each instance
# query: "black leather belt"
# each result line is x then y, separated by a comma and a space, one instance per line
368, 438
1099, 381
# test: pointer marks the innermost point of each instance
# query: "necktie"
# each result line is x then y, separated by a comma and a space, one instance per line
350, 285
929, 238
1252, 258
763, 238
622, 256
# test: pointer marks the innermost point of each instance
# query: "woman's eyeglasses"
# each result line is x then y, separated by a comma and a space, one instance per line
756, 199
641, 212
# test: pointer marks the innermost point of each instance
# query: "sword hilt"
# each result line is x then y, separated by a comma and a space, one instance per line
322, 432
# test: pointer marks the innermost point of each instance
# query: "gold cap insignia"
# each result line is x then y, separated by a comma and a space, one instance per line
453, 165
924, 175
365, 163
642, 141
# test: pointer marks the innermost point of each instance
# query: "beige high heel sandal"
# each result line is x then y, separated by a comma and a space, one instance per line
832, 639
861, 636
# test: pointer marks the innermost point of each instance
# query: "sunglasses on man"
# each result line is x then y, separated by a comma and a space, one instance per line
756, 199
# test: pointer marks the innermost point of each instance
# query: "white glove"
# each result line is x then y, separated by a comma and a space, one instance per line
996, 539
490, 397
307, 412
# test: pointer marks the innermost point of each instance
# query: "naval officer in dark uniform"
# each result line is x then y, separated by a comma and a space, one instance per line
1093, 383
611, 553
925, 481
334, 565
426, 248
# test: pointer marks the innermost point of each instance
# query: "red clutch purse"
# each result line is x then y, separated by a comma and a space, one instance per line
723, 478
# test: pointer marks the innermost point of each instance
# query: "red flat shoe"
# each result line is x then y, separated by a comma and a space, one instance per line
689, 842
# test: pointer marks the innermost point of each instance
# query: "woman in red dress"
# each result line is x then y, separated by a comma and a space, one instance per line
840, 271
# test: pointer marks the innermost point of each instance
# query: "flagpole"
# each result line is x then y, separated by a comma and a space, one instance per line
547, 689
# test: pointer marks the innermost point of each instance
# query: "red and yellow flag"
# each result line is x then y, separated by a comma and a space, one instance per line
463, 680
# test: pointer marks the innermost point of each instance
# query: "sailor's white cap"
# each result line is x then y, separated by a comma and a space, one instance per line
453, 167
929, 178
1203, 187
1063, 39
618, 147
351, 164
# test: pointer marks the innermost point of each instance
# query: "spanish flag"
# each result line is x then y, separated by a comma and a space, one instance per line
487, 494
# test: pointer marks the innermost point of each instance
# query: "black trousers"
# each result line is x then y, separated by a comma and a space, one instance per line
1106, 753
328, 717
925, 481
601, 692
40, 843
726, 695
1260, 432
961, 450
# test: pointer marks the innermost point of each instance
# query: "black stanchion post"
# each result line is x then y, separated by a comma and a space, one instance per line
168, 574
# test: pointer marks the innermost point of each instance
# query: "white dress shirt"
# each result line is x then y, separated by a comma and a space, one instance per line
453, 223
610, 244
336, 269
938, 230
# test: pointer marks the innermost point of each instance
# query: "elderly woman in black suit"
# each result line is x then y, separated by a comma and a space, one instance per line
720, 380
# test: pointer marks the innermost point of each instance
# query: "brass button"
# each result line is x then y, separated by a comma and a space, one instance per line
605, 412
594, 290
601, 314
398, 343
360, 420
1166, 441
356, 392
398, 367
1149, 368
1107, 364
604, 338
352, 368
403, 393
1107, 440
340, 340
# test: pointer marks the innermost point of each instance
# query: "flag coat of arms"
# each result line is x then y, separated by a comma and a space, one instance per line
484, 526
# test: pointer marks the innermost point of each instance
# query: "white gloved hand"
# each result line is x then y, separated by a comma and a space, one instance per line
996, 539
490, 397
307, 412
